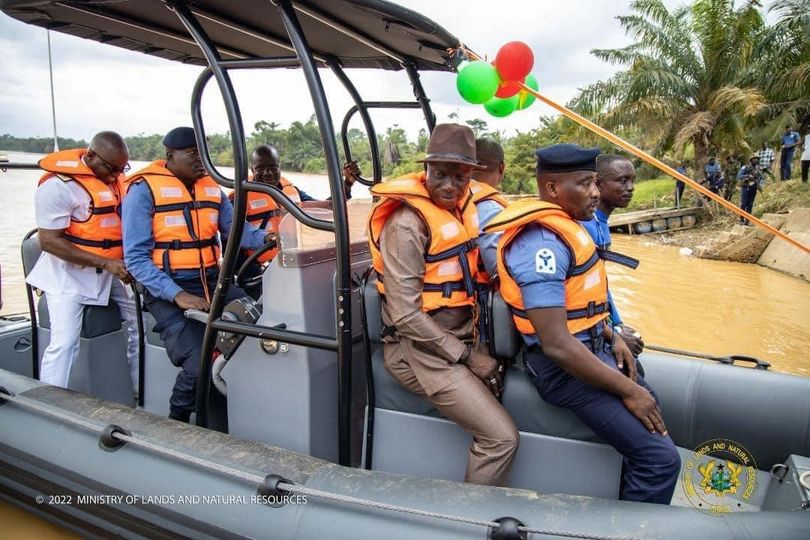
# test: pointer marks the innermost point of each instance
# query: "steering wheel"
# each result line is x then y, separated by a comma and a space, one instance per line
239, 277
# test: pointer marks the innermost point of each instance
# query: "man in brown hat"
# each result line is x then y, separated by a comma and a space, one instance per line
423, 238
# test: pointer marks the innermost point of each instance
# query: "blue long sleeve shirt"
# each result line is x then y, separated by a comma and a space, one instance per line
137, 211
600, 232
488, 243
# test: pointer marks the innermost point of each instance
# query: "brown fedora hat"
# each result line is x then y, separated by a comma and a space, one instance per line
452, 143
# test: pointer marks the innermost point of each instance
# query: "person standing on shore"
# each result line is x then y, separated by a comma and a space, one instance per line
714, 176
790, 140
806, 157
680, 186
766, 157
77, 205
751, 180
730, 174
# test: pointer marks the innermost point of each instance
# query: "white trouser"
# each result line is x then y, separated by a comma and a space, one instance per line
66, 325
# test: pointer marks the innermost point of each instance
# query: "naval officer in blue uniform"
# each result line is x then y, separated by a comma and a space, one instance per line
543, 276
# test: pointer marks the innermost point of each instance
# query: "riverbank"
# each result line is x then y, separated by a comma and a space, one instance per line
784, 205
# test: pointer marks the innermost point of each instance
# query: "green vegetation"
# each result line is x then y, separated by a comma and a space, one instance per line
708, 78
36, 145
652, 194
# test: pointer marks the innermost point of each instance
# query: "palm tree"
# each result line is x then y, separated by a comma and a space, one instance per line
782, 68
684, 78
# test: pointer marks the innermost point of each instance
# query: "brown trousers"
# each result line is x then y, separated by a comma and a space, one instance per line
465, 401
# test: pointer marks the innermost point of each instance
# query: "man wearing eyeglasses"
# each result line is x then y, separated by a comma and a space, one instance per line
77, 206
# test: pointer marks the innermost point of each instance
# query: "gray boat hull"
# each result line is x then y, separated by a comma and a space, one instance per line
50, 457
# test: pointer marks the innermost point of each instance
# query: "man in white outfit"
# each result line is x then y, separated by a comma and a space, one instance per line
77, 205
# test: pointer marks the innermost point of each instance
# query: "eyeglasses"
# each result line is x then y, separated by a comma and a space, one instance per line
114, 169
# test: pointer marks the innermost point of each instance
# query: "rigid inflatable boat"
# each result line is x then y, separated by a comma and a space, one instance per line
300, 431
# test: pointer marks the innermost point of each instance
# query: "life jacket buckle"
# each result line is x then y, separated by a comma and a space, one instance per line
175, 244
591, 311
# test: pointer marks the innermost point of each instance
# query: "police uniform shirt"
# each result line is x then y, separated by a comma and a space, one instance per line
791, 138
55, 203
539, 262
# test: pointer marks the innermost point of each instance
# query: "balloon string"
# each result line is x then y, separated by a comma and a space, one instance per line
641, 154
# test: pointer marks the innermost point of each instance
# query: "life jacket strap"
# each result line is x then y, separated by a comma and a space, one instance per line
103, 210
103, 244
194, 244
593, 309
619, 258
579, 269
460, 251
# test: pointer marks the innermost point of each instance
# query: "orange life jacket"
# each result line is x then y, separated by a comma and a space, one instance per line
452, 252
484, 192
586, 284
185, 223
263, 212
101, 232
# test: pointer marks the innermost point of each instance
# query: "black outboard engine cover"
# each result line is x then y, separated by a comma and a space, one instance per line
245, 310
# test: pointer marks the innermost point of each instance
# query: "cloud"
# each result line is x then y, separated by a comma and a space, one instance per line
100, 87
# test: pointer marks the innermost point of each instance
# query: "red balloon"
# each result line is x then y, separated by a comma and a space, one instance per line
514, 61
507, 89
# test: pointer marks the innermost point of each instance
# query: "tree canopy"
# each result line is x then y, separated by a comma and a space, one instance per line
707, 78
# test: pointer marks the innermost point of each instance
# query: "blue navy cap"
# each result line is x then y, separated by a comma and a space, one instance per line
180, 137
565, 157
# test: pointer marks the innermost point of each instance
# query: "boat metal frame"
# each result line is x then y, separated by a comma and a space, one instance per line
210, 404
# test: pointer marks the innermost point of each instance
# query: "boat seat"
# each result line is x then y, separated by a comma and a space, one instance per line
529, 411
96, 320
159, 372
101, 368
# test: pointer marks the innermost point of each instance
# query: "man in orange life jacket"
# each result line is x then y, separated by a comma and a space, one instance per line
77, 208
488, 202
263, 211
172, 215
423, 235
555, 283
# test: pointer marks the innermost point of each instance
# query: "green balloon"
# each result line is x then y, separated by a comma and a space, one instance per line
525, 99
477, 82
501, 107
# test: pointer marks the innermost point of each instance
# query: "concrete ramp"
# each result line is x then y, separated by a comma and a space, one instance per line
785, 257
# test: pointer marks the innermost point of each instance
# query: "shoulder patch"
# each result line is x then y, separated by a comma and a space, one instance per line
545, 262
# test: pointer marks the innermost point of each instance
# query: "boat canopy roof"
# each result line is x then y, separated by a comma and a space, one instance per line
355, 33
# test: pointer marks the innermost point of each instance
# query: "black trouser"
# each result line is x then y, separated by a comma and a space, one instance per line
183, 339
747, 196
786, 164
805, 169
651, 462
679, 187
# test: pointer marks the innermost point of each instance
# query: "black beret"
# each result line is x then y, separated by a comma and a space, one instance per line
180, 137
566, 158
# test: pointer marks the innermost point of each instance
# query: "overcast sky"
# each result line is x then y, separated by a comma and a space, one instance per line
101, 87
